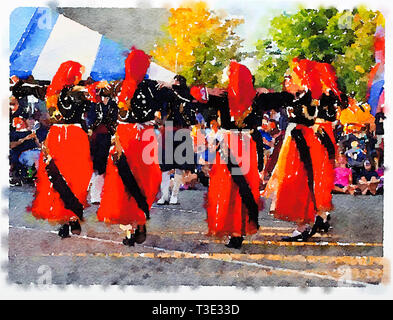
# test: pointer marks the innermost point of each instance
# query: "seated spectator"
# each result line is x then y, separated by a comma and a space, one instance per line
380, 172
369, 179
355, 157
25, 146
343, 177
15, 112
30, 156
21, 139
370, 141
345, 141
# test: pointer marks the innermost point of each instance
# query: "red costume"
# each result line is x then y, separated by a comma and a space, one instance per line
289, 181
117, 205
303, 178
324, 169
68, 146
228, 210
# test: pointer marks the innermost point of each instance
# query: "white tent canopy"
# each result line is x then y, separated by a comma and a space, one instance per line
42, 48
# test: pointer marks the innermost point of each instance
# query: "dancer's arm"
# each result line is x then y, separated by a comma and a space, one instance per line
273, 101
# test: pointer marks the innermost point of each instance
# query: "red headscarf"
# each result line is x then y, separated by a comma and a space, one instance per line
136, 66
316, 76
199, 93
328, 78
66, 75
92, 90
241, 90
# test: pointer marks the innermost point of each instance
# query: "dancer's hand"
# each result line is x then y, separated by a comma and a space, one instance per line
216, 91
139, 126
118, 147
162, 84
45, 151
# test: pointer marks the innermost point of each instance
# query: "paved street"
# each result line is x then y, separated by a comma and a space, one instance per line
177, 251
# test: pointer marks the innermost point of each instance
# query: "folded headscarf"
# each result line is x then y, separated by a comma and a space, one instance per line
68, 74
309, 75
136, 66
241, 90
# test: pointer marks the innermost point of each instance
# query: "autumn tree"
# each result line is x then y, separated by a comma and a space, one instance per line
199, 44
353, 67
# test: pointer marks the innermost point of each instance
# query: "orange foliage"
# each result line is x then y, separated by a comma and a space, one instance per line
186, 28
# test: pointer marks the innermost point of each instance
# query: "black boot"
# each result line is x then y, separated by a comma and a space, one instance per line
140, 236
75, 227
64, 231
129, 241
319, 225
235, 242
327, 223
326, 226
304, 236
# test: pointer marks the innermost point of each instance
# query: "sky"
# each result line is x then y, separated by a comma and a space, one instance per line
257, 16
255, 13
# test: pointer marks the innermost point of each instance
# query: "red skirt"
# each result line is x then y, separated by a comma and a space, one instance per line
289, 182
323, 171
117, 207
226, 213
69, 147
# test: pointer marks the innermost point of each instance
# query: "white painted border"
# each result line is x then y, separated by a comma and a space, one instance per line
9, 291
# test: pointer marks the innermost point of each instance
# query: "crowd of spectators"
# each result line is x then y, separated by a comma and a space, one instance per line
29, 124
359, 165
362, 152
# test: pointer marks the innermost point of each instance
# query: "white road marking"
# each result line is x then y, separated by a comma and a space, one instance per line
207, 256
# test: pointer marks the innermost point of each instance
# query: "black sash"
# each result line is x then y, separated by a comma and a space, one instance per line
305, 157
131, 185
71, 202
257, 137
244, 189
328, 144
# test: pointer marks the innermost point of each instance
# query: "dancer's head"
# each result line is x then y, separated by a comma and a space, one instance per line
136, 66
241, 90
68, 74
